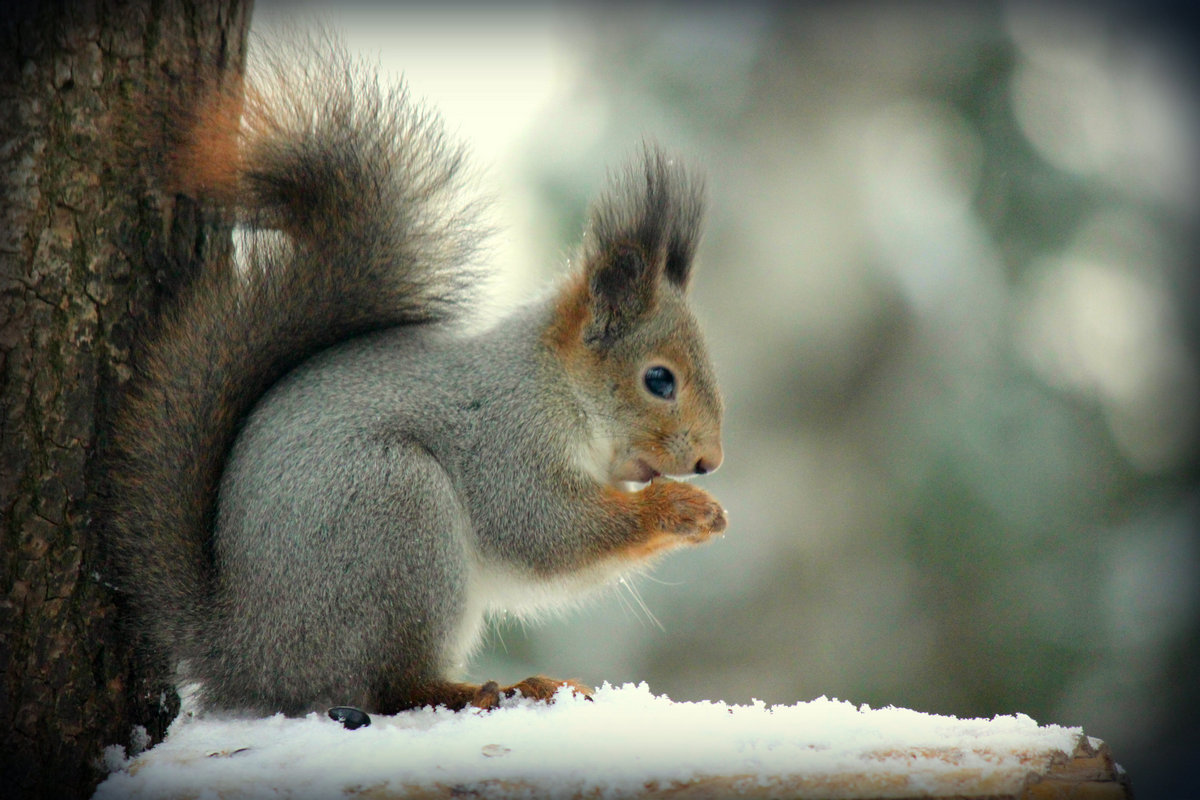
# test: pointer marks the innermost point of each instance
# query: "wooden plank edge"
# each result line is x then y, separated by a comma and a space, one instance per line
1089, 774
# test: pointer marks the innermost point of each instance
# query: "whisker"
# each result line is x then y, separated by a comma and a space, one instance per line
641, 603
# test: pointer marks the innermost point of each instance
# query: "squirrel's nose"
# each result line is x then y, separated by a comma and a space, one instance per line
708, 462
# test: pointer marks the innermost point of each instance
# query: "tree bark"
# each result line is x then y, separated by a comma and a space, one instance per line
89, 247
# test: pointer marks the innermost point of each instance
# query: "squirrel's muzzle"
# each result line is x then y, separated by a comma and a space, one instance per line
709, 460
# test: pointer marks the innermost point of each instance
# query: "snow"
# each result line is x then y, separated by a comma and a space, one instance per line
624, 743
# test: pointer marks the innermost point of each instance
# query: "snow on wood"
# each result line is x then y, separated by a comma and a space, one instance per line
628, 742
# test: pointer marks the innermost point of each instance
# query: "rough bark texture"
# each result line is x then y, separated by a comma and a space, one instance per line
88, 249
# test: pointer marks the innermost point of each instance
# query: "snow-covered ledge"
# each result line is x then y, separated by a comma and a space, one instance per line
627, 743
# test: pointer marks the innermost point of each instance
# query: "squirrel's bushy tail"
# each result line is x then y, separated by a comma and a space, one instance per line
350, 200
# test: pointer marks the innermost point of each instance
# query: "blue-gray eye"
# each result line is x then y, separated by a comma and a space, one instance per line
660, 382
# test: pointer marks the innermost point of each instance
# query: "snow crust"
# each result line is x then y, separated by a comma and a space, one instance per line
625, 743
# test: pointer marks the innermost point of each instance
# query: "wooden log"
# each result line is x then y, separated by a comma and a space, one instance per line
1089, 774
630, 744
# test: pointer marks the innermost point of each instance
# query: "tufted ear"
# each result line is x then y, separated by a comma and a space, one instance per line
621, 285
643, 230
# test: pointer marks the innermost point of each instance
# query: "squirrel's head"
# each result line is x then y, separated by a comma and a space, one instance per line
631, 345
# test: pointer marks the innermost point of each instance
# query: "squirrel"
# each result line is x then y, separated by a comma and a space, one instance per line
323, 481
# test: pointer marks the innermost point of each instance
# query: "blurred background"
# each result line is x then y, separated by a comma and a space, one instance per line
949, 283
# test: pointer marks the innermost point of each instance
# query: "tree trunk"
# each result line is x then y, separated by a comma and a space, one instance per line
88, 249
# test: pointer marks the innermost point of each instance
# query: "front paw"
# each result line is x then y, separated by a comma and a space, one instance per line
682, 510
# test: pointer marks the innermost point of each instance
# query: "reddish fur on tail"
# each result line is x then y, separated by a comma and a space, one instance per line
208, 158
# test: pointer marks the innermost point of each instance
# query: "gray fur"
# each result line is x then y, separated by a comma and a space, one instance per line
379, 480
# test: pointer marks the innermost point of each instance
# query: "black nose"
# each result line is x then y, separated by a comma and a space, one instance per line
709, 460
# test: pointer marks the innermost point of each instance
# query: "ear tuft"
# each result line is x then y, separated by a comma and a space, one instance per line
643, 229
657, 205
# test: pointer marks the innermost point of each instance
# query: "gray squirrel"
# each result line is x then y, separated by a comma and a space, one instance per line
322, 480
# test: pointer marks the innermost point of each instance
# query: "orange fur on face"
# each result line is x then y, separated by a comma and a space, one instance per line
565, 334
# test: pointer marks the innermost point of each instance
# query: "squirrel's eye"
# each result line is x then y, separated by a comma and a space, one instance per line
660, 382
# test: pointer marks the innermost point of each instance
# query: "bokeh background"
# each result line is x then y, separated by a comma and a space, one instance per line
949, 282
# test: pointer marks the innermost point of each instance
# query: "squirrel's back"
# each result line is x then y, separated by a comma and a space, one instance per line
352, 213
